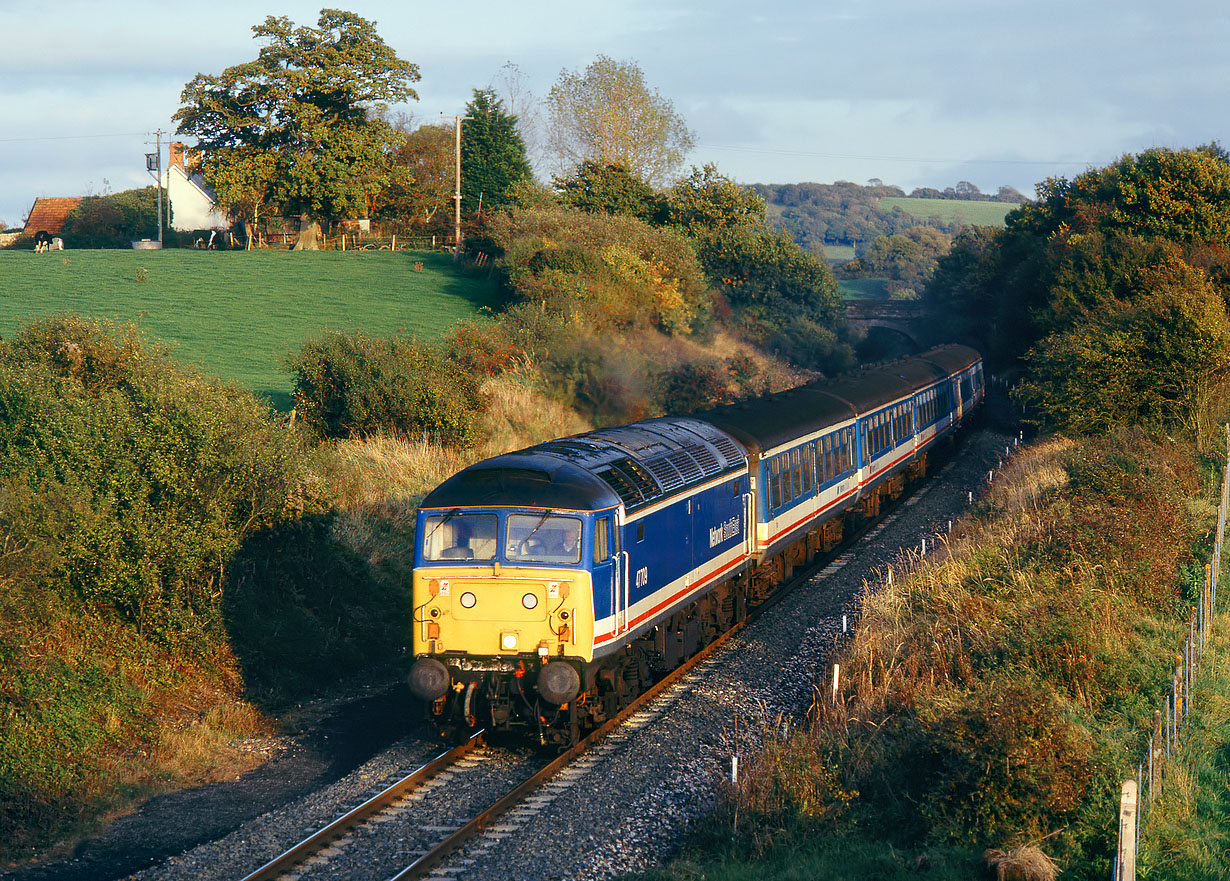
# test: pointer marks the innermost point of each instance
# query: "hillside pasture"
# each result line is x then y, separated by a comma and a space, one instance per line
863, 288
236, 314
951, 210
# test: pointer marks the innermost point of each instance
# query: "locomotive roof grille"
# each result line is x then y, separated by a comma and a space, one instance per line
727, 448
690, 468
708, 461
665, 473
623, 486
631, 482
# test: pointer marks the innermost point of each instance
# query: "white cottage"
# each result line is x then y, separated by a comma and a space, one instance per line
192, 204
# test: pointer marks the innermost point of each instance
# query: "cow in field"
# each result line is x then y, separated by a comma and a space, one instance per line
44, 241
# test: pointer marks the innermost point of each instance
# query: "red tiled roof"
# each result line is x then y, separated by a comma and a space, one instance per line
48, 215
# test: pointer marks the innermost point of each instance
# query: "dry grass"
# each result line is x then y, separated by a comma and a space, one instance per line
1025, 863
775, 375
384, 470
376, 483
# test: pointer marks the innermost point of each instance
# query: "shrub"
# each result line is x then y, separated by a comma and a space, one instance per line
133, 481
608, 270
481, 348
691, 386
115, 220
351, 385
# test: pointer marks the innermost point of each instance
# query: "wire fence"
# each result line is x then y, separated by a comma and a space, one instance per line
1170, 722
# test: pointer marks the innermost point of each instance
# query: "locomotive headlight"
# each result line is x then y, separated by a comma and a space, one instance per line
508, 641
530, 600
468, 600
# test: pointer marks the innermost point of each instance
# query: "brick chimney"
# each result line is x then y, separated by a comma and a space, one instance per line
177, 156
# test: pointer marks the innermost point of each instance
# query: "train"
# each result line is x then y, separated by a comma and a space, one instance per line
552, 585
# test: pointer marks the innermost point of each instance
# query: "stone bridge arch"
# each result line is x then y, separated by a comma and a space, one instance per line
911, 319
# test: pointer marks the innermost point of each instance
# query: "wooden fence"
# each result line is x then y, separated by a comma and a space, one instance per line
1169, 723
353, 241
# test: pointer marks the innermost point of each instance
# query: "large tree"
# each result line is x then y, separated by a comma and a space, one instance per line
706, 200
493, 155
311, 101
421, 177
607, 114
1110, 289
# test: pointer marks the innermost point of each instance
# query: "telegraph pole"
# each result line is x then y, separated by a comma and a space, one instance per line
457, 194
156, 168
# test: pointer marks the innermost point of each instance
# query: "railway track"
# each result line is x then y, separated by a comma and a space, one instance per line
318, 849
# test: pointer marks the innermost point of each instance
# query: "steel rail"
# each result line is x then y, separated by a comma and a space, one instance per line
319, 840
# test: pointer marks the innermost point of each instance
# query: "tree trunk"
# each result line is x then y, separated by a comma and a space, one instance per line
309, 229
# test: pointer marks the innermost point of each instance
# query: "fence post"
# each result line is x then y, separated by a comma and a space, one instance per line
1127, 831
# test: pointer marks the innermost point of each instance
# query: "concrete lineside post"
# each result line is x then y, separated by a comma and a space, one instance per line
1127, 831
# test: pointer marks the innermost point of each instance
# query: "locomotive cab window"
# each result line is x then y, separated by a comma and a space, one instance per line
460, 537
543, 538
605, 540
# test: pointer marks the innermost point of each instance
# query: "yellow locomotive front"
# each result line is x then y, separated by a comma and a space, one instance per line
503, 604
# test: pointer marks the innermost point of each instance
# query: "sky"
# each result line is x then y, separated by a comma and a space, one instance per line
776, 91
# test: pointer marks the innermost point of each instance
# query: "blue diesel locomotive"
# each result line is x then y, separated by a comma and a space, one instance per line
553, 585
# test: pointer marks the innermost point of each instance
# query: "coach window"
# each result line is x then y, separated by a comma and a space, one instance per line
640, 531
775, 483
809, 466
796, 474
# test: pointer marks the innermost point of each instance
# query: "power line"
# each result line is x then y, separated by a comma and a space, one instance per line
74, 137
811, 154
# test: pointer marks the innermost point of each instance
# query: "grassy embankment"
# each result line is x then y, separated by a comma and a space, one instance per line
995, 696
237, 314
952, 210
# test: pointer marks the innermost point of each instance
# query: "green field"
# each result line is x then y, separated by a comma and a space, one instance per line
949, 210
863, 288
835, 253
237, 314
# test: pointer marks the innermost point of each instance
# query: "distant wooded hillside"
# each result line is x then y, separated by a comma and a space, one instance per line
824, 218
